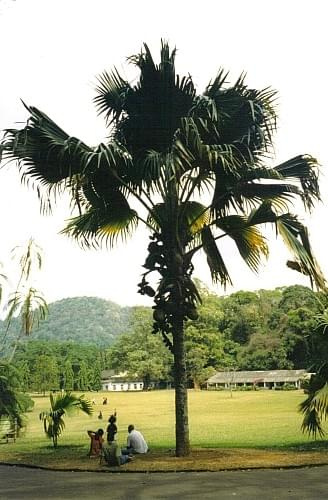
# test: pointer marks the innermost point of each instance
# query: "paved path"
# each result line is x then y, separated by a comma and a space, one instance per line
299, 484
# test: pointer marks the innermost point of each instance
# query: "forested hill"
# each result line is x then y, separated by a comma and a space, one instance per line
88, 320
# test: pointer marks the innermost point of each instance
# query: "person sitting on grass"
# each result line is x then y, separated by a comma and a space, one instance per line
96, 443
136, 443
111, 428
113, 455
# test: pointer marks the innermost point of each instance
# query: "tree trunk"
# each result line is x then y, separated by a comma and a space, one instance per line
181, 395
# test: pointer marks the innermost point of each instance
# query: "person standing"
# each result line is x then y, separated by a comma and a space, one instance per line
111, 428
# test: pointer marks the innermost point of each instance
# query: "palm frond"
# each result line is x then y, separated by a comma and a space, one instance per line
196, 215
262, 214
295, 237
215, 87
29, 257
250, 242
303, 168
31, 306
102, 226
312, 423
215, 261
155, 105
43, 150
112, 91
245, 115
320, 401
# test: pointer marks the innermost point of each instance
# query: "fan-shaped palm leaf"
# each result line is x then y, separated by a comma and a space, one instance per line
296, 239
250, 242
102, 226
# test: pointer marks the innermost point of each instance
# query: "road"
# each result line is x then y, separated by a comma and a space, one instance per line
19, 483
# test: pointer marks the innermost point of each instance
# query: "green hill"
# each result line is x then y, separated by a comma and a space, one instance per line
88, 320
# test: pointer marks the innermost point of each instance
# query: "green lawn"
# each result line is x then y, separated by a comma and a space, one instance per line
261, 419
247, 419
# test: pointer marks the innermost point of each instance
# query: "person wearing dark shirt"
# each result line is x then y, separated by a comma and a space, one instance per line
111, 428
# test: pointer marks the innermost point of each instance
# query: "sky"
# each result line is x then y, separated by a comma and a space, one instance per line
51, 54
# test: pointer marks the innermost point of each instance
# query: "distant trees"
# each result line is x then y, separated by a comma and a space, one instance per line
58, 365
68, 376
266, 329
45, 374
140, 353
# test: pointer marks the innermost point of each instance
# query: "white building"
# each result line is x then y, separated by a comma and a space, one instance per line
269, 379
119, 382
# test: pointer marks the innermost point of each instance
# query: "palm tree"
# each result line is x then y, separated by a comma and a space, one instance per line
61, 405
315, 406
13, 403
26, 301
194, 167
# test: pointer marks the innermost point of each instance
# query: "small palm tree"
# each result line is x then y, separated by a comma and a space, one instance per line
61, 405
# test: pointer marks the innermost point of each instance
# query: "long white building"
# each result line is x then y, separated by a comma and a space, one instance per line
267, 379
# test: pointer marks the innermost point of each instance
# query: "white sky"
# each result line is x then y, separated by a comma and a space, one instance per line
51, 53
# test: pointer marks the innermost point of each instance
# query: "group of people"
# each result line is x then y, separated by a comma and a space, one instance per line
112, 452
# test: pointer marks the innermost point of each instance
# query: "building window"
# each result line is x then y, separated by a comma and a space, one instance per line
114, 387
140, 385
135, 386
106, 387
129, 387
122, 387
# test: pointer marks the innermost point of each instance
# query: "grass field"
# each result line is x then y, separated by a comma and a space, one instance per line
248, 420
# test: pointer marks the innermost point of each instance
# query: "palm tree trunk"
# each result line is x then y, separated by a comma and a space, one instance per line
181, 394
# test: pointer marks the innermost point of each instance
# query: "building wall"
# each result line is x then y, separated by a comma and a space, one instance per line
114, 386
264, 384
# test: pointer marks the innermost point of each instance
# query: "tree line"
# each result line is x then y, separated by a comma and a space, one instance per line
46, 366
261, 330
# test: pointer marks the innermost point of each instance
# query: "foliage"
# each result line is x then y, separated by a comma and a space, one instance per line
46, 365
13, 403
83, 320
45, 374
168, 146
315, 406
26, 301
61, 405
139, 353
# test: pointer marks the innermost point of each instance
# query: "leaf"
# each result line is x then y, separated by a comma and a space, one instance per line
250, 242
296, 239
215, 261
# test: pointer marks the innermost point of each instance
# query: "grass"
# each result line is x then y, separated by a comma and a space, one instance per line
249, 429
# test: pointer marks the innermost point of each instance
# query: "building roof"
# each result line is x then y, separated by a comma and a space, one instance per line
111, 376
253, 377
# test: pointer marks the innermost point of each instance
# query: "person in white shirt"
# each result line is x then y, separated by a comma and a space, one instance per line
136, 443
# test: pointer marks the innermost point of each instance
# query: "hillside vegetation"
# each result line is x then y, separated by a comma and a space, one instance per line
87, 320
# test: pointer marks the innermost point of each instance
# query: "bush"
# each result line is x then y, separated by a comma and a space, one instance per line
288, 387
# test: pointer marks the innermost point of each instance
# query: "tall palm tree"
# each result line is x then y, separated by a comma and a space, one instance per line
61, 405
195, 166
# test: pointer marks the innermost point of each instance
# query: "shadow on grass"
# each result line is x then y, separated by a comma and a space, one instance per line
318, 445
321, 445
